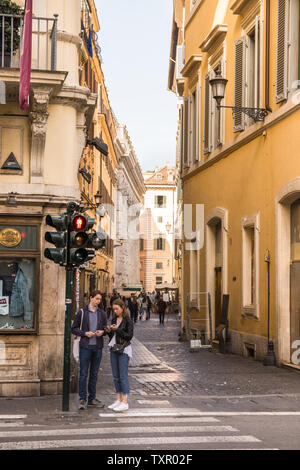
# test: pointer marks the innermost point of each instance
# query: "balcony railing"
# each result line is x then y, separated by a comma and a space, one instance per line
44, 42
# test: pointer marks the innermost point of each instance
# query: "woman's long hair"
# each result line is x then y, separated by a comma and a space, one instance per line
121, 304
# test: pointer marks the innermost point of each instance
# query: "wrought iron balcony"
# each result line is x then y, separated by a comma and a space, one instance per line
44, 41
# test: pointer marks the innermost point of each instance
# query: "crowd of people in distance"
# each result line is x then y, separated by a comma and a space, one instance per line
141, 305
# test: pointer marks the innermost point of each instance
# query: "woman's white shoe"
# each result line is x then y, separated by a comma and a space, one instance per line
113, 405
121, 407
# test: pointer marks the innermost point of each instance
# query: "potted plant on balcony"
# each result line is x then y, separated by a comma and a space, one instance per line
9, 8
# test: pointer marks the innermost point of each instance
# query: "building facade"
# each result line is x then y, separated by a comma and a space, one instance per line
158, 228
244, 168
130, 190
40, 154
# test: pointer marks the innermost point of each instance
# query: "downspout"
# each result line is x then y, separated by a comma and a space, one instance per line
267, 63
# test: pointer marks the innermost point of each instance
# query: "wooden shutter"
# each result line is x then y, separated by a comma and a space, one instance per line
239, 82
186, 133
206, 137
282, 50
181, 138
163, 244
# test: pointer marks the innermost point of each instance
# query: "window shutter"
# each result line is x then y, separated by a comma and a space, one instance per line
282, 51
206, 139
181, 138
239, 82
155, 243
163, 244
185, 132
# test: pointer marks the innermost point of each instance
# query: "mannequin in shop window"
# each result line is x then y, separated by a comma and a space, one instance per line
15, 286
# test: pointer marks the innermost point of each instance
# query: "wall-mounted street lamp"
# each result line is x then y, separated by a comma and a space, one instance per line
218, 85
100, 146
87, 176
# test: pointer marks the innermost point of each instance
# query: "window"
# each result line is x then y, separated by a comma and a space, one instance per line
160, 202
159, 244
287, 63
159, 265
142, 244
160, 220
19, 275
250, 266
247, 75
212, 114
158, 280
159, 176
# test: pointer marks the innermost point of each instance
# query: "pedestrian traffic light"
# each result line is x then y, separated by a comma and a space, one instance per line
58, 239
80, 241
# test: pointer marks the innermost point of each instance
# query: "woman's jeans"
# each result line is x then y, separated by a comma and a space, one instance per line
119, 367
89, 361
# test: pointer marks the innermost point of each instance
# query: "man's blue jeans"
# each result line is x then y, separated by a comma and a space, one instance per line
119, 367
89, 362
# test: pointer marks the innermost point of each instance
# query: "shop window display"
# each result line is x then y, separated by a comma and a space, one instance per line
17, 293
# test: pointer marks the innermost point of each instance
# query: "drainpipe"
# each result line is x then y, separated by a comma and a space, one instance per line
267, 58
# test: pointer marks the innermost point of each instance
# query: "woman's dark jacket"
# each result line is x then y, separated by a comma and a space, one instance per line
101, 324
125, 331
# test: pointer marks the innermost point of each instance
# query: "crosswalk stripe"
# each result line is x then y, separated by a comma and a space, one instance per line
13, 416
146, 412
117, 430
128, 441
166, 419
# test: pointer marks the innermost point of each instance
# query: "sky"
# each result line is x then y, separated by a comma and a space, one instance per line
135, 41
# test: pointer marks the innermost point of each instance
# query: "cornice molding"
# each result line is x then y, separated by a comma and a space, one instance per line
192, 64
216, 36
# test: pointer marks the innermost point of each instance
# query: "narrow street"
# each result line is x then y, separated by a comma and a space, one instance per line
179, 401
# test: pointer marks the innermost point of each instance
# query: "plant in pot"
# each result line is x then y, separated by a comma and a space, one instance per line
9, 8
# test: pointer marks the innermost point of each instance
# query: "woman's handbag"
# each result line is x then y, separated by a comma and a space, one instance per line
77, 341
119, 348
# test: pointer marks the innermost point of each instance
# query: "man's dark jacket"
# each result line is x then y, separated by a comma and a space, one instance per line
125, 331
101, 324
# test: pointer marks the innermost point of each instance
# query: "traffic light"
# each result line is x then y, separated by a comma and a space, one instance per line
58, 239
80, 240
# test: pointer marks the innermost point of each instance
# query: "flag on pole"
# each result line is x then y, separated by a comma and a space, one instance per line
90, 44
25, 67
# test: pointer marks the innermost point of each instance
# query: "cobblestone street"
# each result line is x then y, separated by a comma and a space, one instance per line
163, 366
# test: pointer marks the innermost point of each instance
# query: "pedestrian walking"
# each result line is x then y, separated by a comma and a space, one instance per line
133, 308
120, 333
149, 305
108, 306
161, 309
144, 307
90, 323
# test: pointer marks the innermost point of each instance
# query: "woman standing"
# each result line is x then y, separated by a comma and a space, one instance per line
120, 333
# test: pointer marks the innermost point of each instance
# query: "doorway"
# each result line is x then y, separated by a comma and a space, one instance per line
295, 275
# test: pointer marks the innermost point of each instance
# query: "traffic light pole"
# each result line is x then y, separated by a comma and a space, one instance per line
67, 341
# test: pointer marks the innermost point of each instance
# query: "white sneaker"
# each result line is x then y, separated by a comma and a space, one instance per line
116, 403
121, 407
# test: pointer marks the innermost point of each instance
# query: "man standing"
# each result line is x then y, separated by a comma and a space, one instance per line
90, 323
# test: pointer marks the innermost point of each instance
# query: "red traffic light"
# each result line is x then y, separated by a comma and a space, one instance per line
79, 222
